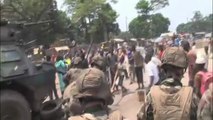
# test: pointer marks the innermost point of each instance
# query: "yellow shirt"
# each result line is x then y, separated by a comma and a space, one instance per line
68, 61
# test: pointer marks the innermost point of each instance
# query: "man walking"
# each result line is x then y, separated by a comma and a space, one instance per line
131, 66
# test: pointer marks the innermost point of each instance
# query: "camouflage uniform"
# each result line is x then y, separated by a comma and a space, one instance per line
170, 100
146, 112
90, 87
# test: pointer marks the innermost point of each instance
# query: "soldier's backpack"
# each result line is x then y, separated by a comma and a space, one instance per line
171, 106
207, 78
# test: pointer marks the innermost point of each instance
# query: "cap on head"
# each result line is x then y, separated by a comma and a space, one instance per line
175, 56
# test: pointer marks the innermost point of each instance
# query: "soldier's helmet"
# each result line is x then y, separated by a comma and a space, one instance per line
98, 61
175, 56
94, 85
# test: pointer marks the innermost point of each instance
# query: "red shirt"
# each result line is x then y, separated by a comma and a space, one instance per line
160, 55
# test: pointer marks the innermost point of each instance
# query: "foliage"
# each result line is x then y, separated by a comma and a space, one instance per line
34, 11
158, 4
148, 25
159, 24
149, 29
197, 16
197, 24
143, 7
139, 27
62, 25
94, 19
26, 10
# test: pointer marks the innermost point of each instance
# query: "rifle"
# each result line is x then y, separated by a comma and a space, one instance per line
91, 43
18, 27
23, 24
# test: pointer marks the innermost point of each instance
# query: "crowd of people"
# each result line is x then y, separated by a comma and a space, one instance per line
195, 102
166, 97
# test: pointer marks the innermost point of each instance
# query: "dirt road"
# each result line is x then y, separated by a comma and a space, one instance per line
129, 104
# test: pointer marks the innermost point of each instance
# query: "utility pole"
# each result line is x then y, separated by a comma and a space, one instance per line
126, 24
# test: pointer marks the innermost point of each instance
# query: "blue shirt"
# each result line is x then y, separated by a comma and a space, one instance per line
177, 41
129, 54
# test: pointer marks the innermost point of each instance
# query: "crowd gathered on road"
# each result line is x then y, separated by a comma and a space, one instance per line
101, 74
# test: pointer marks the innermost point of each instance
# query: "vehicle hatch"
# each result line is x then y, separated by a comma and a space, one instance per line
11, 63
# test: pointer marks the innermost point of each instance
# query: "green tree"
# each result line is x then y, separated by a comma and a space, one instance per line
143, 7
158, 24
95, 19
180, 28
139, 27
149, 25
149, 29
62, 25
158, 4
208, 23
107, 17
197, 24
197, 16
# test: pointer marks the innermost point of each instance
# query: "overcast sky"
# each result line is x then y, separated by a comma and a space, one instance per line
178, 11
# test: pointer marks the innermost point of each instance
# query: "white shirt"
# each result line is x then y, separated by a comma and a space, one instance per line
152, 70
156, 61
193, 47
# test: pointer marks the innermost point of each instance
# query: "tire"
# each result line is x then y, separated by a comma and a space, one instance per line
51, 110
14, 106
116, 115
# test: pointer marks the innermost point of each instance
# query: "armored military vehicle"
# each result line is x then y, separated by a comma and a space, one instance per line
23, 85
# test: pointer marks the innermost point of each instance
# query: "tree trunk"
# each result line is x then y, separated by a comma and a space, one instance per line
105, 32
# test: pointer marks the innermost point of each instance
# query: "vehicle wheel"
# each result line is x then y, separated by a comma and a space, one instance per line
116, 115
51, 110
14, 106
